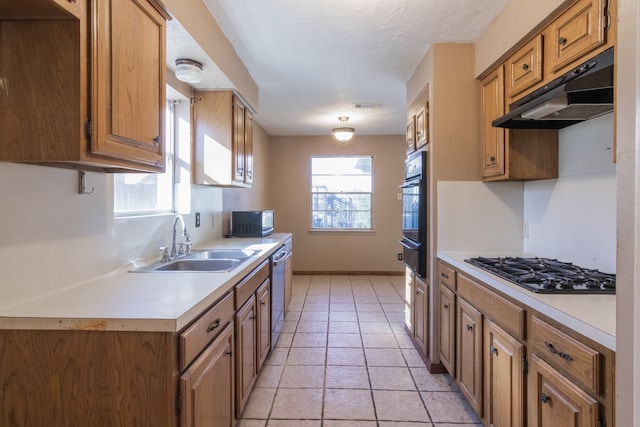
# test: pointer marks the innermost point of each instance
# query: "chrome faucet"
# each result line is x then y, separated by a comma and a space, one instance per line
185, 248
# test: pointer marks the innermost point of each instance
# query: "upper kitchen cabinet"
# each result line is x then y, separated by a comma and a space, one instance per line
418, 122
85, 87
524, 68
223, 140
512, 154
577, 32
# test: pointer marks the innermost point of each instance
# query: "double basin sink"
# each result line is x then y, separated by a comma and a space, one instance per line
208, 260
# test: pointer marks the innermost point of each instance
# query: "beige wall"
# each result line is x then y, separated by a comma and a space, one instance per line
514, 23
290, 162
628, 219
194, 16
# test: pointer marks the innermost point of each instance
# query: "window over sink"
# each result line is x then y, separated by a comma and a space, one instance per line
341, 193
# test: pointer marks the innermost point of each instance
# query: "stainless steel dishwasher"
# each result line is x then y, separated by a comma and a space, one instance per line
277, 293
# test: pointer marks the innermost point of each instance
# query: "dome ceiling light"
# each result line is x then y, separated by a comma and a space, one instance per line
343, 133
188, 70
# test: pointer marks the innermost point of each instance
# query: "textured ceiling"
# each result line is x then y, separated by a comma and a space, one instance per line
313, 59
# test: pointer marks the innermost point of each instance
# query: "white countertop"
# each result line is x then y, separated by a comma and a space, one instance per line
593, 316
126, 301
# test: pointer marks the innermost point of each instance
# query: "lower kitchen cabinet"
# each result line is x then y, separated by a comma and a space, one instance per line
207, 387
246, 370
421, 317
417, 311
469, 360
515, 365
263, 323
199, 376
253, 330
557, 401
504, 378
447, 312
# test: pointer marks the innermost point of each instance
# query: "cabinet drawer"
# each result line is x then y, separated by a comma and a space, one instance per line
573, 358
524, 68
503, 312
196, 337
249, 285
447, 275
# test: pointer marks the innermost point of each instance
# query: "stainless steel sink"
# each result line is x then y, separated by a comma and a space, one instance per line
188, 264
238, 254
207, 260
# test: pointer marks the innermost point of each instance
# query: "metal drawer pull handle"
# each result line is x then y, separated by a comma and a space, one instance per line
553, 350
263, 303
492, 158
493, 350
214, 325
446, 306
444, 275
469, 328
544, 398
525, 67
562, 41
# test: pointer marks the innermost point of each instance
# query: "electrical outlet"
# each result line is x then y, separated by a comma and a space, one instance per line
197, 219
525, 229
399, 256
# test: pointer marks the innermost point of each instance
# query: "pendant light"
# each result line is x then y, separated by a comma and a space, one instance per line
343, 133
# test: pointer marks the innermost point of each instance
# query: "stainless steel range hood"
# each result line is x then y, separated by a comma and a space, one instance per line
583, 93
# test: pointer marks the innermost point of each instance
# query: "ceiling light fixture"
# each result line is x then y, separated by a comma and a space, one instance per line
343, 133
188, 70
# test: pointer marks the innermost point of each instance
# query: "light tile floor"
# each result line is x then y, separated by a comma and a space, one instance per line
345, 360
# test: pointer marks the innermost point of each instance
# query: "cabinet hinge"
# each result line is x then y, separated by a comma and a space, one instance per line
87, 129
525, 365
607, 15
178, 403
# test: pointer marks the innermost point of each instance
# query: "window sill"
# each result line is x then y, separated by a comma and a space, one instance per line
340, 231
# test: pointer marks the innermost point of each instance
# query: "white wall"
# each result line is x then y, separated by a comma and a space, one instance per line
477, 216
573, 218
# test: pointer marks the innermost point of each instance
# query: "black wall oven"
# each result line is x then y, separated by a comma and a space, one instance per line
414, 213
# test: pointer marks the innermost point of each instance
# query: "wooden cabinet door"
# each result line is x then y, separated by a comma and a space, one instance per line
577, 32
556, 401
246, 368
524, 68
128, 82
493, 139
469, 360
422, 126
207, 385
421, 318
238, 140
447, 329
411, 135
264, 322
503, 378
409, 298
248, 147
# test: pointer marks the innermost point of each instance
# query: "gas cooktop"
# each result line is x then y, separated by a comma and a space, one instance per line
546, 275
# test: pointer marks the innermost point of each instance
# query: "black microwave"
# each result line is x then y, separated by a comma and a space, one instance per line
251, 223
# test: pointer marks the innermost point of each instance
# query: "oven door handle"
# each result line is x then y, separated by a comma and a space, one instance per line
412, 183
410, 245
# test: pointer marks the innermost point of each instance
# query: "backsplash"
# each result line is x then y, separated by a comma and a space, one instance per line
573, 218
52, 237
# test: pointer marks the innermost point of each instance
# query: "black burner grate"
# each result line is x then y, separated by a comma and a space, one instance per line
546, 275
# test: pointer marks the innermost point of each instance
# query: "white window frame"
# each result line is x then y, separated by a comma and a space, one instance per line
314, 228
